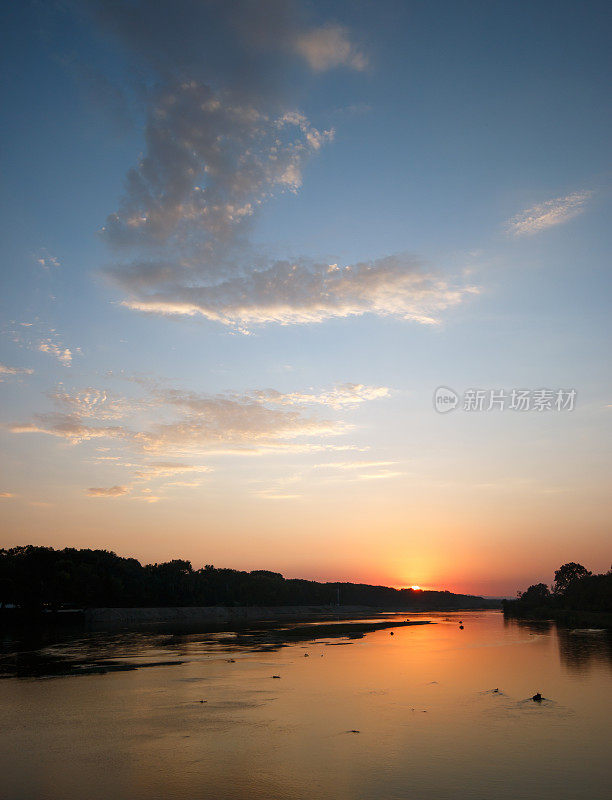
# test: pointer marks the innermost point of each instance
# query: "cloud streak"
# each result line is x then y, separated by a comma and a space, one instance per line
99, 404
175, 421
340, 396
45, 260
328, 47
69, 427
152, 431
548, 214
289, 293
170, 469
55, 348
6, 371
353, 465
111, 491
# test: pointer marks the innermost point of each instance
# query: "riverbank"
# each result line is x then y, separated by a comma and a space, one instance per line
238, 615
212, 614
185, 617
266, 637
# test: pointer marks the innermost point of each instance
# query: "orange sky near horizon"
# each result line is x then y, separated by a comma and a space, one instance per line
368, 538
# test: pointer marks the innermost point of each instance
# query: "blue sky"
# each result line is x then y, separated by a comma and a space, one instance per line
242, 244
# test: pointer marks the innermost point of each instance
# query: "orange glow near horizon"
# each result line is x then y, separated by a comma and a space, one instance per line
363, 538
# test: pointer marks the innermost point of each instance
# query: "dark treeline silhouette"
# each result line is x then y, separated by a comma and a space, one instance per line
35, 578
575, 596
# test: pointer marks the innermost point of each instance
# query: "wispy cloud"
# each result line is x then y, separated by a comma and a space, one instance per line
382, 475
266, 494
329, 46
172, 423
548, 214
46, 260
111, 491
6, 495
289, 293
6, 371
37, 336
99, 403
210, 163
67, 426
216, 150
221, 136
170, 469
353, 465
52, 345
155, 431
147, 496
340, 396
359, 470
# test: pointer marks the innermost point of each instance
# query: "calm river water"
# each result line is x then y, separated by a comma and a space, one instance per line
430, 713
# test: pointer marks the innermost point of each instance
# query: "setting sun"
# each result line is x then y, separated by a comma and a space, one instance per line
416, 588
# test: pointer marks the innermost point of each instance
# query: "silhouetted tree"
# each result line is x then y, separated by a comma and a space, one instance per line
37, 578
538, 594
567, 574
576, 591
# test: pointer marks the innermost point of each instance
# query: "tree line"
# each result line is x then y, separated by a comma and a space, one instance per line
37, 578
576, 591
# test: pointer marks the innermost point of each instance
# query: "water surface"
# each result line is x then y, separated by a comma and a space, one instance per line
430, 712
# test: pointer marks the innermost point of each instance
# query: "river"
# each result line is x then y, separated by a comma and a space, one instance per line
431, 712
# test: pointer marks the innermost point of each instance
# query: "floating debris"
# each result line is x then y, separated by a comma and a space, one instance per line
537, 698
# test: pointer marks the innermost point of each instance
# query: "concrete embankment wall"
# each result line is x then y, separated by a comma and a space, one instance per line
216, 614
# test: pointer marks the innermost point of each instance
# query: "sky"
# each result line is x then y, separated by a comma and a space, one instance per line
243, 245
